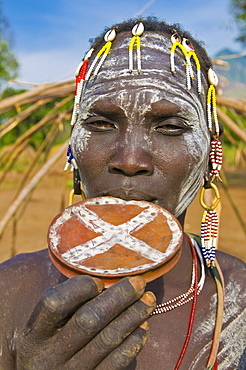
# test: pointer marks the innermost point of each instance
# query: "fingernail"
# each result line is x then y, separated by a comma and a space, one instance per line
99, 284
144, 326
149, 298
137, 282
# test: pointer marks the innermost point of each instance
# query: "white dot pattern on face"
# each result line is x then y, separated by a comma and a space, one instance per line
112, 235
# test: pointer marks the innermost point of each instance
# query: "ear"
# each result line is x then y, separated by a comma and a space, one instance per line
76, 182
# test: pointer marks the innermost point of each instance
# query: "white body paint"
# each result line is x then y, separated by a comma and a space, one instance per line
233, 338
152, 84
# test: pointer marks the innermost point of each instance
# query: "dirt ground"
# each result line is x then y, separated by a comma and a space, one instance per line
51, 196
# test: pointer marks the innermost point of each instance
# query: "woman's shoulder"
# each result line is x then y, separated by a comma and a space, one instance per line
232, 267
232, 341
234, 274
26, 264
29, 273
23, 280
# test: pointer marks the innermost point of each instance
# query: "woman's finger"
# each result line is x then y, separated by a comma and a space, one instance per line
115, 333
59, 303
92, 317
123, 355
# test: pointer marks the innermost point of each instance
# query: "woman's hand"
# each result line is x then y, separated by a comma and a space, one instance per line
75, 326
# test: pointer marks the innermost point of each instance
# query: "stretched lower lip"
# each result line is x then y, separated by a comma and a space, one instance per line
129, 194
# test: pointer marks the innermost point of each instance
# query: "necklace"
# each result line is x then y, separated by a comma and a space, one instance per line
185, 298
193, 308
189, 295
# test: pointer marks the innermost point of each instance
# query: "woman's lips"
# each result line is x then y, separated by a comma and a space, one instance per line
129, 194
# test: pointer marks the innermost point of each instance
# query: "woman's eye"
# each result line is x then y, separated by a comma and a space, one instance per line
99, 125
169, 127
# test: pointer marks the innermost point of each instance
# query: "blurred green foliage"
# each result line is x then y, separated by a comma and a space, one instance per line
239, 12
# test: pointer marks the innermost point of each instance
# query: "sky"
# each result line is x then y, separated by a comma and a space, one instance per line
50, 37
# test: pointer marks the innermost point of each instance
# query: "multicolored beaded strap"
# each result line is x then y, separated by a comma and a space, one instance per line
209, 227
210, 223
80, 79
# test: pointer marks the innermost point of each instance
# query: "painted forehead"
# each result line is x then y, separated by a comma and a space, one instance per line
155, 79
155, 59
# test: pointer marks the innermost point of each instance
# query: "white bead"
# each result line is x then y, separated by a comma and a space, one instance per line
212, 77
172, 63
130, 61
110, 35
138, 29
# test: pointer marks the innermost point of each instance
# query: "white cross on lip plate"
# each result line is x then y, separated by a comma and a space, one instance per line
110, 238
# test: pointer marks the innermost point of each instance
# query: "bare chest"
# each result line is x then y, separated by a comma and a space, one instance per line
168, 333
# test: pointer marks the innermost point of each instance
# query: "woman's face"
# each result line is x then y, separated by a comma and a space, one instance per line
142, 136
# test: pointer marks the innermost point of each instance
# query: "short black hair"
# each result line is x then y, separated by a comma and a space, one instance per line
154, 24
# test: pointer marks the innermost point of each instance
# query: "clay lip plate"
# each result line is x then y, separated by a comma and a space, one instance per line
111, 238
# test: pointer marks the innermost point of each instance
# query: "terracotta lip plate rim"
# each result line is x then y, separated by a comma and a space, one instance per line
64, 265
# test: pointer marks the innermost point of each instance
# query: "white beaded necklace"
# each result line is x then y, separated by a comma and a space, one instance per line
187, 296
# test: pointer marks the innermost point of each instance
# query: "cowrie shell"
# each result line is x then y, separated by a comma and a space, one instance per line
188, 46
212, 77
138, 29
175, 38
110, 35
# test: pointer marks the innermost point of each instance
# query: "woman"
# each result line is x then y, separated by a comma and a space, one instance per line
141, 133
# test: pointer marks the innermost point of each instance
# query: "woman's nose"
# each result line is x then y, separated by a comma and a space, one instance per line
131, 161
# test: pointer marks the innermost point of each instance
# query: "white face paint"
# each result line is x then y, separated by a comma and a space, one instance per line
136, 96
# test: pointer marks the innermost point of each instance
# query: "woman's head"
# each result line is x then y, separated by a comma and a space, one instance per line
143, 135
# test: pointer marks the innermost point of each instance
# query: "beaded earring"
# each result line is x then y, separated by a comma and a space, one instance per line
216, 147
209, 226
137, 31
70, 160
103, 53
